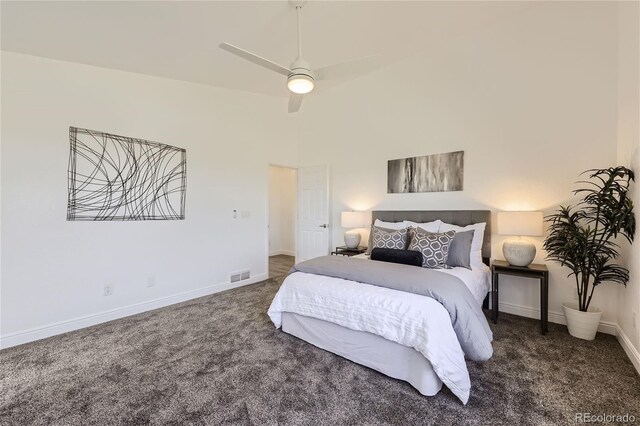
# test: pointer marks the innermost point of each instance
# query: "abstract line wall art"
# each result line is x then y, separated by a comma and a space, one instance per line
115, 177
430, 173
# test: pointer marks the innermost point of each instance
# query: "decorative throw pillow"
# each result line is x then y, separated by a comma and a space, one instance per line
388, 238
389, 226
433, 246
478, 237
403, 257
460, 250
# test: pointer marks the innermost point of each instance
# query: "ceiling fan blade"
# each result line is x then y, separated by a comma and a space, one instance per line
349, 69
255, 59
295, 101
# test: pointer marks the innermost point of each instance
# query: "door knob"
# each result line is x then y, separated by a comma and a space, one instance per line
323, 225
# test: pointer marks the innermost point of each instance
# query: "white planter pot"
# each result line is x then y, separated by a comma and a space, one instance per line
582, 325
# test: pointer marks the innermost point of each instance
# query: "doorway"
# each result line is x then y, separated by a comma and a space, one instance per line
282, 219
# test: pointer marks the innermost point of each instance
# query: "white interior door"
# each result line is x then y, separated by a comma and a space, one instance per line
313, 212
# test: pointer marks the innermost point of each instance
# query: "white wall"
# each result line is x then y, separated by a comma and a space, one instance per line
53, 271
629, 155
282, 211
531, 100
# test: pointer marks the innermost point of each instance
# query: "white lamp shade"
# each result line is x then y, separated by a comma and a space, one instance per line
352, 219
520, 223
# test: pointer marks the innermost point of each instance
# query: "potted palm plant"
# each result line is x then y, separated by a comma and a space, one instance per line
583, 238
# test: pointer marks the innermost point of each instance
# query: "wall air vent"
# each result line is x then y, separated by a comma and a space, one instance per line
240, 276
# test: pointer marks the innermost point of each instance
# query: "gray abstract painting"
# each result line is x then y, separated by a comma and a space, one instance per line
429, 173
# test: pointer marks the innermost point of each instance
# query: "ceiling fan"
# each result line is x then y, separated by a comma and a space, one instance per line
300, 77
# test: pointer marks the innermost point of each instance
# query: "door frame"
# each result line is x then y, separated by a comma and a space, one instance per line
268, 216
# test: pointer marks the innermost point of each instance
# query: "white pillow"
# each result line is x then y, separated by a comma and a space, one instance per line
427, 226
476, 243
390, 225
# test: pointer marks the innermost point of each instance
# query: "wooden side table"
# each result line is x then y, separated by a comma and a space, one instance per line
532, 271
346, 251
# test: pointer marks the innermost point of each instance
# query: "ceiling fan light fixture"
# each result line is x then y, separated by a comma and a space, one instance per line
300, 84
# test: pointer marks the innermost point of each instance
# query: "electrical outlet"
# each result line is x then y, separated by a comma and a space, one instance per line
151, 281
635, 320
107, 290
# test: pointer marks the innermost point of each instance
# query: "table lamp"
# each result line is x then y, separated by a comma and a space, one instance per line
518, 251
352, 220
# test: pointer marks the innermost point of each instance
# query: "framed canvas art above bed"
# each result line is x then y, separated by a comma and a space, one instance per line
428, 173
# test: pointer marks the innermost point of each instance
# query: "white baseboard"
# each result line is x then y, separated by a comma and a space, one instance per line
607, 327
629, 349
279, 252
49, 330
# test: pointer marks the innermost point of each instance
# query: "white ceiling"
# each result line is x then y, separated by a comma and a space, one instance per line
179, 40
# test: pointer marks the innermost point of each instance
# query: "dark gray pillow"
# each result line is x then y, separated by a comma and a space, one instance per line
433, 246
403, 257
460, 250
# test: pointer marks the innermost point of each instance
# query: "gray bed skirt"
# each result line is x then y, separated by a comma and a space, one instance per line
387, 357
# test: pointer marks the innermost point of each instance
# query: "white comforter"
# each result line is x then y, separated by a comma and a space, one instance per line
405, 318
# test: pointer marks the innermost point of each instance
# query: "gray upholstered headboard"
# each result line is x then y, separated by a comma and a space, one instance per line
454, 217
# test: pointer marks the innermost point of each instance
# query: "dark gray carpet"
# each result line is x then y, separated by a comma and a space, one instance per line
219, 360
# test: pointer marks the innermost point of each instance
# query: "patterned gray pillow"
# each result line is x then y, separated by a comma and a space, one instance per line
388, 238
433, 246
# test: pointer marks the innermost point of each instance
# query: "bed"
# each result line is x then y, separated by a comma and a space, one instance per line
405, 336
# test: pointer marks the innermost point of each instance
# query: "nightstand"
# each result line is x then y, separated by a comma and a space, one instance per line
532, 271
346, 251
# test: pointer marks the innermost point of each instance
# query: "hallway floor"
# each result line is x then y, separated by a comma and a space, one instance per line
280, 265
